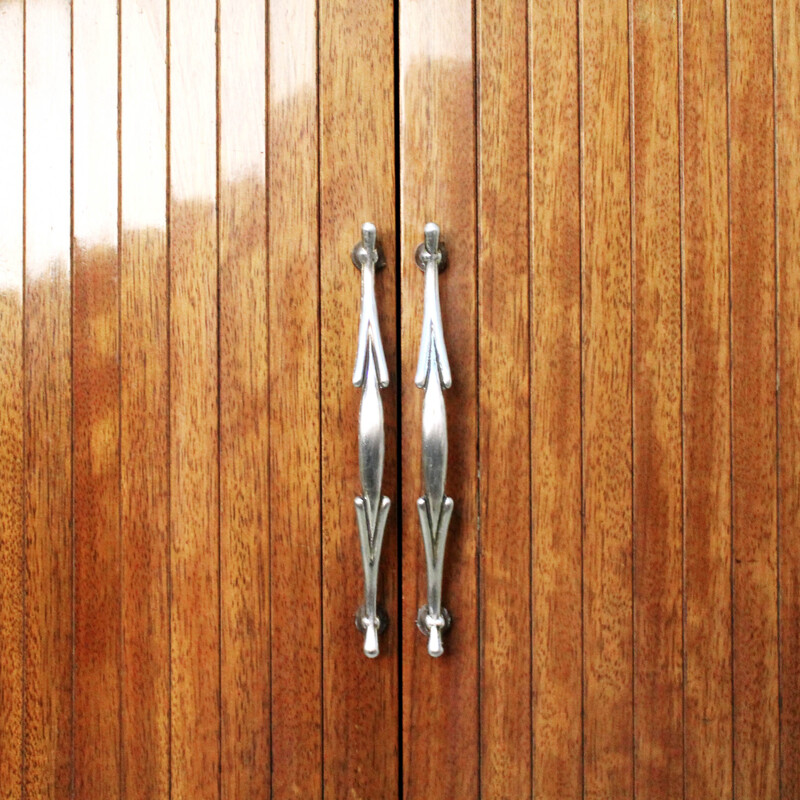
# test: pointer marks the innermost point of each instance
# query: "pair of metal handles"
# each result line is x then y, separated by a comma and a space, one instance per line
371, 375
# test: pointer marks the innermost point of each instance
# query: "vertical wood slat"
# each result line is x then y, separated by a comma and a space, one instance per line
95, 409
437, 168
787, 48
357, 149
243, 387
294, 391
753, 379
556, 400
504, 406
47, 744
606, 334
11, 398
657, 446
706, 403
144, 400
194, 485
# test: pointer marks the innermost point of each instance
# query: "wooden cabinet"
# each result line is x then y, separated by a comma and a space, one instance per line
617, 188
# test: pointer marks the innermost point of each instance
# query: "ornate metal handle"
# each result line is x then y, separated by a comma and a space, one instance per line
370, 374
433, 375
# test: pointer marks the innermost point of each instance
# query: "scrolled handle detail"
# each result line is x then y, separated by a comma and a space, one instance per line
371, 374
433, 376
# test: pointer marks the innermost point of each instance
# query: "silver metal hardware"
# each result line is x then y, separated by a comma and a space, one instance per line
433, 375
371, 375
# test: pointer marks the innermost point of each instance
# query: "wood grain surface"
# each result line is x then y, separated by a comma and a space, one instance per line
47, 750
708, 678
357, 185
244, 403
556, 400
144, 401
96, 398
657, 451
503, 274
12, 403
753, 400
194, 416
787, 110
181, 184
441, 714
607, 414
294, 400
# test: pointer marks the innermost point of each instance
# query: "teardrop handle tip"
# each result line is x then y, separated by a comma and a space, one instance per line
371, 649
432, 626
371, 627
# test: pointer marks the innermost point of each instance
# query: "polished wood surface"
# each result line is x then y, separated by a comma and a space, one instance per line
707, 704
96, 403
293, 286
48, 664
144, 401
616, 185
12, 402
556, 407
504, 487
751, 187
441, 714
606, 322
245, 732
656, 399
787, 121
357, 184
193, 399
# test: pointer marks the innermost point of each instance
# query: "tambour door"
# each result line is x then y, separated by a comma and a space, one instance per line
182, 445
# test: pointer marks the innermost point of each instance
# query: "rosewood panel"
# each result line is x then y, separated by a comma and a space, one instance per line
607, 413
11, 399
144, 401
47, 750
556, 408
751, 190
96, 398
357, 184
438, 184
244, 404
707, 696
181, 184
193, 393
294, 399
787, 72
657, 384
504, 488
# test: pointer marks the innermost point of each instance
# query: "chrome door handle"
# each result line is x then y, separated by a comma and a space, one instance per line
371, 375
433, 375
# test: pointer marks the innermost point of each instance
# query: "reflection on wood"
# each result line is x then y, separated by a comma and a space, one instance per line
47, 432
357, 149
11, 398
243, 396
504, 268
438, 182
95, 403
754, 582
179, 564
294, 400
144, 401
